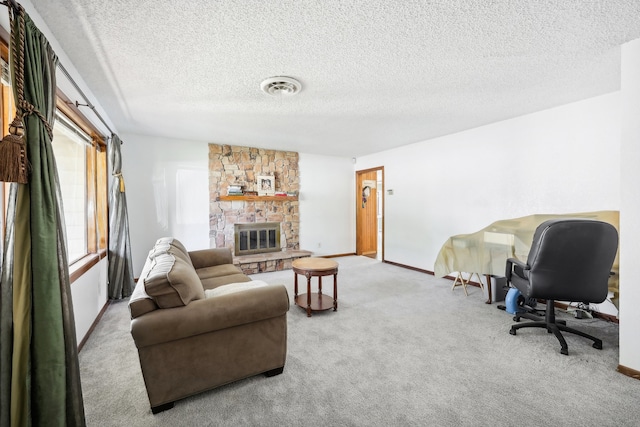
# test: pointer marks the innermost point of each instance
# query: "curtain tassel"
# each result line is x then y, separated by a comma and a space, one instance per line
13, 147
120, 180
13, 155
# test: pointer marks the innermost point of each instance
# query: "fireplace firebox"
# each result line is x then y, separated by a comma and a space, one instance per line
255, 238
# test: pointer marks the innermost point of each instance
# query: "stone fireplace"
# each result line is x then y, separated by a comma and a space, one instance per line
256, 238
239, 166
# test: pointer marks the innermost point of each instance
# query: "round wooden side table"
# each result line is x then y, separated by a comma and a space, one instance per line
318, 267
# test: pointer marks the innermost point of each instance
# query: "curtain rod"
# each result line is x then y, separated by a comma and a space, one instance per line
11, 3
88, 103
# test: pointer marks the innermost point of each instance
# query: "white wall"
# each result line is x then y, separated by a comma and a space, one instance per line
327, 204
89, 294
562, 160
630, 211
167, 187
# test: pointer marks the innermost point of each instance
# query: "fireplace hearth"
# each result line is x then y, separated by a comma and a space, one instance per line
255, 238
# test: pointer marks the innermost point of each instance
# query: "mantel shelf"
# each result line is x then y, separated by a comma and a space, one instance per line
257, 198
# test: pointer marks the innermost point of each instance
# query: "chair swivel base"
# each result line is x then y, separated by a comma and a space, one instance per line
552, 325
556, 328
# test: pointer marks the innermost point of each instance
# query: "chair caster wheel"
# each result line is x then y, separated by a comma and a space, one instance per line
564, 351
597, 345
516, 319
512, 331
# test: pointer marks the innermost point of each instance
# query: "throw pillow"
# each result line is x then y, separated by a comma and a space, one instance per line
172, 282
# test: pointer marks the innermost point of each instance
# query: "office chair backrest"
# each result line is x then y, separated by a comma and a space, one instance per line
571, 259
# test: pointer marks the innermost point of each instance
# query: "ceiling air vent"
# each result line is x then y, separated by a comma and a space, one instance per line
281, 86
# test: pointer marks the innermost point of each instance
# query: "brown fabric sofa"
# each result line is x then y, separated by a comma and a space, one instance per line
189, 341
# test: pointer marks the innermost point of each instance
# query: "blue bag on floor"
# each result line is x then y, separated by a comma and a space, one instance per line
514, 301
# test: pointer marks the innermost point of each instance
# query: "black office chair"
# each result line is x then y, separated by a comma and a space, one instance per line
569, 260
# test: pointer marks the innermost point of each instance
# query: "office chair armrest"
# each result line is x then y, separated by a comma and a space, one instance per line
515, 263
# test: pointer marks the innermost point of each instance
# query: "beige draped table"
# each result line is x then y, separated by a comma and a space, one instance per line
486, 251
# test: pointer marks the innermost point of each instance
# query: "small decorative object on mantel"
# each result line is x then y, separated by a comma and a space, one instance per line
250, 193
235, 190
280, 193
266, 185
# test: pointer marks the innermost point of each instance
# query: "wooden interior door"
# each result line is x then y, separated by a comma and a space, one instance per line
366, 213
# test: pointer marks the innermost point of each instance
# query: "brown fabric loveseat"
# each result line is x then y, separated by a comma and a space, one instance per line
198, 323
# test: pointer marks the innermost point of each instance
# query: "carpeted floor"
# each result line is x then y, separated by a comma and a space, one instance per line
402, 349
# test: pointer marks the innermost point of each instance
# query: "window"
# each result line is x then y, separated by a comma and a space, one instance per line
81, 160
70, 145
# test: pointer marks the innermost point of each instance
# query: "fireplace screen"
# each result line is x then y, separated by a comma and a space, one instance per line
256, 238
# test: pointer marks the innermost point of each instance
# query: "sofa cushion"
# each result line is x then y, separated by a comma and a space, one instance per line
217, 271
171, 246
214, 282
171, 241
232, 288
172, 282
140, 303
203, 258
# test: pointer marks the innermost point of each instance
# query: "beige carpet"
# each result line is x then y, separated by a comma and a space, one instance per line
403, 349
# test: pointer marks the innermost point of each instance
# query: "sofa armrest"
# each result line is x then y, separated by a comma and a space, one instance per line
209, 315
210, 257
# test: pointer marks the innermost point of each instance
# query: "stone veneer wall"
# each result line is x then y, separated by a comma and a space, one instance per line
235, 165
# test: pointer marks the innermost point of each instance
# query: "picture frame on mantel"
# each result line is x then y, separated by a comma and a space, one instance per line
266, 185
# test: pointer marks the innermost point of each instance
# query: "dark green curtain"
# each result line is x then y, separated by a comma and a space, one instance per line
44, 372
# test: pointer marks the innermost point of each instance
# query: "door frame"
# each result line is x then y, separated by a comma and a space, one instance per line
358, 198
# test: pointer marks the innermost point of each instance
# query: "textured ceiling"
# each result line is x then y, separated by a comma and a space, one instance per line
376, 74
